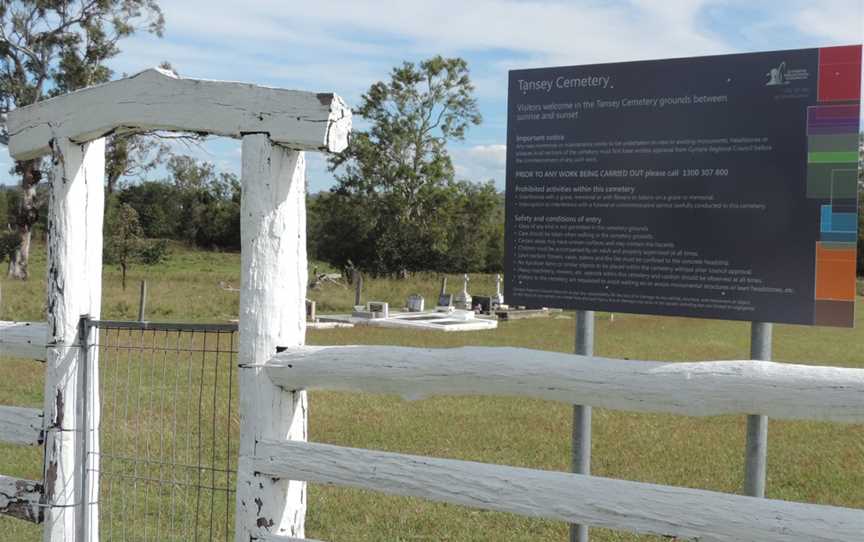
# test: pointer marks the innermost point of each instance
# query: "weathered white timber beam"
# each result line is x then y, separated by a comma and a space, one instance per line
20, 425
778, 390
75, 221
272, 313
20, 499
616, 504
156, 99
23, 340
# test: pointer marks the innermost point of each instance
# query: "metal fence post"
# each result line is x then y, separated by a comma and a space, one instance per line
83, 343
757, 426
581, 451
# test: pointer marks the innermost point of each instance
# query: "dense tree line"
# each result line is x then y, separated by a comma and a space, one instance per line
195, 204
199, 206
459, 227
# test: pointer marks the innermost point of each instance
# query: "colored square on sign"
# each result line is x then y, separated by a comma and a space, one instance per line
844, 222
832, 120
832, 157
835, 273
840, 74
838, 236
832, 143
840, 55
834, 313
831, 181
825, 218
844, 206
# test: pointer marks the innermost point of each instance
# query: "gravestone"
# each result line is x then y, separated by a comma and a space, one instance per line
378, 309
463, 298
445, 303
498, 298
416, 303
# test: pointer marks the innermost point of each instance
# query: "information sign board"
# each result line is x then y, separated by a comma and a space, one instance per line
719, 187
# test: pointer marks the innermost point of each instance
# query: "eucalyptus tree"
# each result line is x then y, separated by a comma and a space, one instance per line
395, 179
50, 47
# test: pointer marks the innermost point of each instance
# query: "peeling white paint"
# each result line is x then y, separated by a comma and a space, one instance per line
272, 314
74, 290
20, 499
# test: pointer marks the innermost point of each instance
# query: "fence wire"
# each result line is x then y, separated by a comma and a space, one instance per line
169, 431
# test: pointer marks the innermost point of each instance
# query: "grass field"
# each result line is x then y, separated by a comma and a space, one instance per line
812, 462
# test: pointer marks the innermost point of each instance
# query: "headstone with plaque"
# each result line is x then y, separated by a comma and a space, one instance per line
416, 303
445, 303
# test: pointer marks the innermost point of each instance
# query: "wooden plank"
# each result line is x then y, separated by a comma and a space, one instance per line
20, 499
779, 390
272, 314
23, 340
20, 425
74, 290
156, 99
575, 498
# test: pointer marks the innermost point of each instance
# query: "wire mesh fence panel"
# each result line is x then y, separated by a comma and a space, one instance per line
169, 431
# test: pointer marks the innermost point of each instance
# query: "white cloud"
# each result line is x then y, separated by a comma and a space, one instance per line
491, 155
581, 32
347, 45
480, 163
838, 21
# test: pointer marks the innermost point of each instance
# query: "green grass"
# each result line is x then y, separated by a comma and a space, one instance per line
808, 461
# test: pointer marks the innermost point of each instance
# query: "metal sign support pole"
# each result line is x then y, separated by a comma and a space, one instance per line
581, 451
757, 426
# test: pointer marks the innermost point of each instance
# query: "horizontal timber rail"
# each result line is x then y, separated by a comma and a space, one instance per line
23, 340
778, 390
20, 499
20, 425
616, 504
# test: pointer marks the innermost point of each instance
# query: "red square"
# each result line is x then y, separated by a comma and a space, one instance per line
840, 74
850, 54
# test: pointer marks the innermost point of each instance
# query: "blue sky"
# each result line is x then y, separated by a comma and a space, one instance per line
344, 46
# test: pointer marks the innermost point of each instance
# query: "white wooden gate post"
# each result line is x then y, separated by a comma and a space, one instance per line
74, 289
272, 314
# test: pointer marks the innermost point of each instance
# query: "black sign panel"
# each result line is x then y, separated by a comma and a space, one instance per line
719, 187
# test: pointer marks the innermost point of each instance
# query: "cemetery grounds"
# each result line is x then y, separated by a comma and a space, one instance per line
807, 461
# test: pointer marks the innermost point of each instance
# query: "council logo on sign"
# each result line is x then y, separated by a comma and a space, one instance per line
781, 76
777, 76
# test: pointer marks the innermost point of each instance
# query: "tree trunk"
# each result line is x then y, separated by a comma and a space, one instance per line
26, 219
